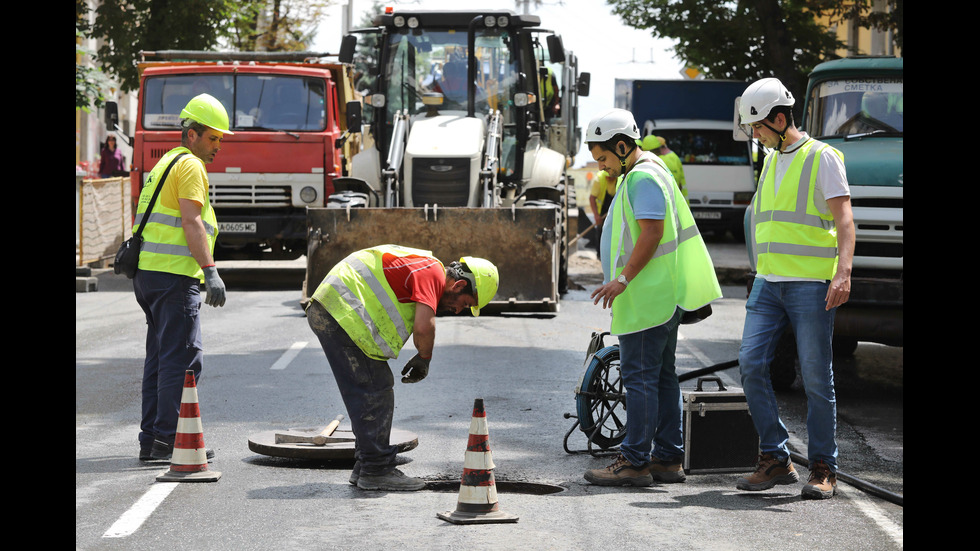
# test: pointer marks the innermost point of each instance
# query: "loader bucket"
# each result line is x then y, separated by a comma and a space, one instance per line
521, 242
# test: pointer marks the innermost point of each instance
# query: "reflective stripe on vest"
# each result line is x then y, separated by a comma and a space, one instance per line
680, 272
164, 243
356, 293
790, 236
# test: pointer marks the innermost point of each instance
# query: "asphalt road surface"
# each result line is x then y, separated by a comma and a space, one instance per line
264, 371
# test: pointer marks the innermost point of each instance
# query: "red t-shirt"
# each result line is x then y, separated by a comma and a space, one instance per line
420, 279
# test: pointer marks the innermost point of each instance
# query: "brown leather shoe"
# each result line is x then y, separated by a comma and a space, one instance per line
620, 473
822, 483
769, 472
667, 471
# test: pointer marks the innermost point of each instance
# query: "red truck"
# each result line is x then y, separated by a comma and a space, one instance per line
290, 113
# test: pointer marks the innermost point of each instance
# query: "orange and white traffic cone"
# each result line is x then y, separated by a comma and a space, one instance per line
477, 503
189, 462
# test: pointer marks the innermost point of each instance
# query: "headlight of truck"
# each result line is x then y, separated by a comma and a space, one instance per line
307, 194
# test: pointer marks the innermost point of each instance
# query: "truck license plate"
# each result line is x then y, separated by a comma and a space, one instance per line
236, 227
709, 215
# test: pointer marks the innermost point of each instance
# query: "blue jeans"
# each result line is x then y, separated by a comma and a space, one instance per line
367, 388
653, 394
770, 308
172, 305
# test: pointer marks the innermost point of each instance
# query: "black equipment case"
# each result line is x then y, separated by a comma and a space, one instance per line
719, 436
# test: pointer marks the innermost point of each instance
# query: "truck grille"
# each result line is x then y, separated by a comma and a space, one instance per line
442, 181
250, 195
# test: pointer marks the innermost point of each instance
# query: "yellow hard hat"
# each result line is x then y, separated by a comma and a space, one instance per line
208, 111
651, 142
484, 280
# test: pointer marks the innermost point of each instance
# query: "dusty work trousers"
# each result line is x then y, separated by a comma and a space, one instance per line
367, 388
172, 305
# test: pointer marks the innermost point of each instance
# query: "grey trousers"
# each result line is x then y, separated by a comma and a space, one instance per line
367, 388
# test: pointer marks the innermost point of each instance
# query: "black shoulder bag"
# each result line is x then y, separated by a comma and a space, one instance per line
128, 255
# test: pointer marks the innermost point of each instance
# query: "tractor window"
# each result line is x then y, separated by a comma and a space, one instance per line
428, 70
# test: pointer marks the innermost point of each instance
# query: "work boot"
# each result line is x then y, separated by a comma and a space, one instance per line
355, 473
163, 450
394, 480
770, 471
620, 473
663, 470
822, 483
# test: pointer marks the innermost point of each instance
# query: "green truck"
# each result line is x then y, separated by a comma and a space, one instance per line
856, 105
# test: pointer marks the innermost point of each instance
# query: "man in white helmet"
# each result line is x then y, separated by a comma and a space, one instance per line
656, 269
802, 234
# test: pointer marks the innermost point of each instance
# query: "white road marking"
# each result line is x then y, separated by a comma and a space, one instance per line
864, 504
288, 355
131, 520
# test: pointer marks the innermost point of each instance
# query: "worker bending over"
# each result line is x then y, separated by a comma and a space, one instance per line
363, 312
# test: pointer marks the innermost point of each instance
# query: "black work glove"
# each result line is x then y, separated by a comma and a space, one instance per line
415, 370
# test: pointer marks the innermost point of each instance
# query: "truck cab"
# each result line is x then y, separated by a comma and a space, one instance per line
694, 118
856, 105
288, 114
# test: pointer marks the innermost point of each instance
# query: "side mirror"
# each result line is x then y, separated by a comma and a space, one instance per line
354, 116
582, 86
347, 46
556, 50
111, 116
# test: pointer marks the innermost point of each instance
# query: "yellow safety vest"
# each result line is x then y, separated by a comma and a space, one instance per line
673, 162
164, 243
356, 293
680, 273
790, 236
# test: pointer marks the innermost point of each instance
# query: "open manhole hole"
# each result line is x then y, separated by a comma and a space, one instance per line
503, 486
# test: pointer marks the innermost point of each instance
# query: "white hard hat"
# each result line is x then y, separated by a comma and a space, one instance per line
610, 123
760, 97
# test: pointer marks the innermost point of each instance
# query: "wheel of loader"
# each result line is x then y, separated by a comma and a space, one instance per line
601, 400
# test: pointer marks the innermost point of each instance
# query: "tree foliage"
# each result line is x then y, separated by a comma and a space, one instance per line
276, 25
131, 26
91, 84
751, 39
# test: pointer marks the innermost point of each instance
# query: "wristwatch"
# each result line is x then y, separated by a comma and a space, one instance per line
622, 279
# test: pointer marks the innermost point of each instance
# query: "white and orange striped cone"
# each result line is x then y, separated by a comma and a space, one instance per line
477, 503
189, 462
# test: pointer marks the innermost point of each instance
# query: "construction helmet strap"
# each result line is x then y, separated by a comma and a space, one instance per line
460, 272
782, 135
623, 158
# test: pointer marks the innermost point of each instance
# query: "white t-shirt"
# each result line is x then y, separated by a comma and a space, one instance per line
831, 182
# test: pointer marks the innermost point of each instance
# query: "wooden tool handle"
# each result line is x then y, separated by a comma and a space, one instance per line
328, 430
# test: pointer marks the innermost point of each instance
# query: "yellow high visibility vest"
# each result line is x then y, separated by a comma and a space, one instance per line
356, 293
790, 236
680, 273
164, 243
